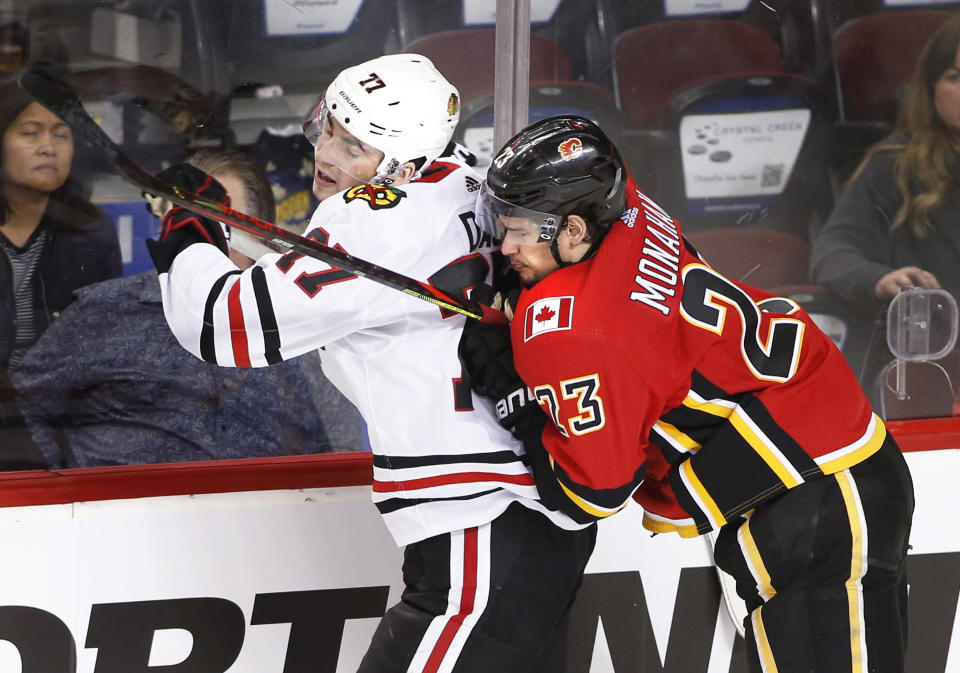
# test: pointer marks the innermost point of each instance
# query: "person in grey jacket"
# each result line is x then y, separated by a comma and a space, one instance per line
108, 384
896, 223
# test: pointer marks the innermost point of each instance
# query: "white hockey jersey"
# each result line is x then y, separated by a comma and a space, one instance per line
441, 460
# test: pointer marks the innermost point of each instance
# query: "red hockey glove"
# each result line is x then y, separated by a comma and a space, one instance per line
182, 228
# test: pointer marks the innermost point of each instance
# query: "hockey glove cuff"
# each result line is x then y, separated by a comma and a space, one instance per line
487, 356
182, 228
517, 411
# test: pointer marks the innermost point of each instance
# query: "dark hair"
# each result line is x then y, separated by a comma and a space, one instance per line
68, 207
599, 217
236, 163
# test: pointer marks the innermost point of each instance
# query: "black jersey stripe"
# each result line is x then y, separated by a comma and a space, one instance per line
391, 505
268, 319
598, 502
690, 417
400, 462
801, 461
208, 349
687, 503
662, 437
766, 460
692, 250
708, 390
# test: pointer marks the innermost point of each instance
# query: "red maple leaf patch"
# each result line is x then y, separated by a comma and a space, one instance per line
546, 313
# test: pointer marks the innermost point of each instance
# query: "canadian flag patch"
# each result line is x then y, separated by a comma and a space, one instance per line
547, 315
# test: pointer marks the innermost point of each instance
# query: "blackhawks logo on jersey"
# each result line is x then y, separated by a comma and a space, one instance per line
376, 196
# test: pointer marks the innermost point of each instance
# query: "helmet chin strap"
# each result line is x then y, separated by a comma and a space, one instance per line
555, 249
554, 246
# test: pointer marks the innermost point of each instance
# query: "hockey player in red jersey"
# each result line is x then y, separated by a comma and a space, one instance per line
489, 572
712, 404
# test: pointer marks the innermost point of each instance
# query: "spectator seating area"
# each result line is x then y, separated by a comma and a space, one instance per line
742, 120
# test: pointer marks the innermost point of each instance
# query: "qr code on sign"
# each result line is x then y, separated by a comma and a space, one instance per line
772, 175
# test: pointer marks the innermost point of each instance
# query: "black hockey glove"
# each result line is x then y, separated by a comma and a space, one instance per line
181, 227
488, 358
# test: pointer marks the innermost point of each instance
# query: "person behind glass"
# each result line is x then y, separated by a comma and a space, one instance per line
53, 241
489, 573
894, 225
714, 405
108, 384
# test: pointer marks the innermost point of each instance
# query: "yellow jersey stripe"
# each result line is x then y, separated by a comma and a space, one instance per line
699, 494
592, 510
766, 449
683, 527
767, 663
850, 455
858, 568
680, 440
720, 408
751, 554
589, 508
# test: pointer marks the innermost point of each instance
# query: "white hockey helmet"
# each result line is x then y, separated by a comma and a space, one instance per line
399, 104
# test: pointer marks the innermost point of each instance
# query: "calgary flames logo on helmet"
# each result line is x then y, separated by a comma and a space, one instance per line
376, 196
570, 149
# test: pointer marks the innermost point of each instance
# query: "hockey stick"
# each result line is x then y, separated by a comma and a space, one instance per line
60, 99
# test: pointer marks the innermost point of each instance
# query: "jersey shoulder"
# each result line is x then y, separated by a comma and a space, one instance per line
448, 178
445, 186
396, 225
558, 308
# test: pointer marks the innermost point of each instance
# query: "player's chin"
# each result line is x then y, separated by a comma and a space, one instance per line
529, 278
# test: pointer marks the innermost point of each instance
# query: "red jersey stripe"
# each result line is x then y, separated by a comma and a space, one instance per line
238, 335
446, 479
437, 171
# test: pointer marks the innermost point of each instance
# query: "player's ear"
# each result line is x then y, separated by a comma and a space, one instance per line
575, 228
406, 172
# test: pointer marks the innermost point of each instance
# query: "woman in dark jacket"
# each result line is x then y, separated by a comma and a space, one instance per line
52, 240
895, 225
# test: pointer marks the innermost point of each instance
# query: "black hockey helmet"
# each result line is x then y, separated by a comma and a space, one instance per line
555, 167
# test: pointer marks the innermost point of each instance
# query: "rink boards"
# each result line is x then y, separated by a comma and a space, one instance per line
290, 580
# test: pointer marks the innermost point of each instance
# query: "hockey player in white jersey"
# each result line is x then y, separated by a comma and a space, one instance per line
489, 572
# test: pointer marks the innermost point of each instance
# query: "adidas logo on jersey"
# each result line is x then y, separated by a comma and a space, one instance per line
472, 184
629, 217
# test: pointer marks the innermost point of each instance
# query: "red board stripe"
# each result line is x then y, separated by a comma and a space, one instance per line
327, 470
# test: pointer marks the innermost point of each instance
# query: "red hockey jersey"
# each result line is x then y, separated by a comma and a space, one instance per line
698, 396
